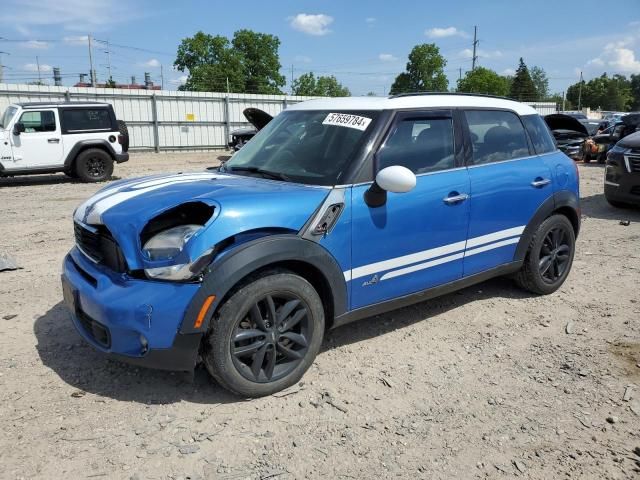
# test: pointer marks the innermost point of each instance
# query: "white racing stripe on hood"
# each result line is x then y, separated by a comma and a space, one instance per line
91, 211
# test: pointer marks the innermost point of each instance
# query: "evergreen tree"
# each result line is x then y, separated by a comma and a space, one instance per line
522, 87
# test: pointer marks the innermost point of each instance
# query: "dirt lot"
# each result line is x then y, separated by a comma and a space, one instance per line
487, 382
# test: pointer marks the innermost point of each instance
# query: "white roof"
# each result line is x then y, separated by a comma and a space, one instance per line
413, 101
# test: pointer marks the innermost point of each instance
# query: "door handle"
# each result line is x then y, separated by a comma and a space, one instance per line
53, 140
540, 182
455, 198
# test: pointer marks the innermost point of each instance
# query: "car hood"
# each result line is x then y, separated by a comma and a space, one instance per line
631, 119
240, 204
256, 117
559, 121
630, 141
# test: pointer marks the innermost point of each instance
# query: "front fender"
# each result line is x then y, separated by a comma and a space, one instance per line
224, 273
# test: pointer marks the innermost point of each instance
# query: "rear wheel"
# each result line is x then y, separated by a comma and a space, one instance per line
93, 165
266, 335
549, 257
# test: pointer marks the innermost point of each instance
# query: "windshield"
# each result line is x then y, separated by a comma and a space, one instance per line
304, 146
7, 116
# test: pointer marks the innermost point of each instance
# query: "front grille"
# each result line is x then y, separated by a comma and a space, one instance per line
635, 190
98, 244
95, 330
633, 161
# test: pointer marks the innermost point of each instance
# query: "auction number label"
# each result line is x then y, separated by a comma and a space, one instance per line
347, 120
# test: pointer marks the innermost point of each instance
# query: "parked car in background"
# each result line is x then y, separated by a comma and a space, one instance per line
606, 140
81, 139
570, 134
337, 210
622, 172
258, 118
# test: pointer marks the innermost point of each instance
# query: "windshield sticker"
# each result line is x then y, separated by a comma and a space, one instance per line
346, 120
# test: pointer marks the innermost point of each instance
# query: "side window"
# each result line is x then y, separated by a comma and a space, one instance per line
86, 119
44, 121
539, 133
421, 144
496, 136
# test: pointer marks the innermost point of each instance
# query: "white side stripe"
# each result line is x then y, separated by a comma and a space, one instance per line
491, 246
392, 263
421, 266
492, 237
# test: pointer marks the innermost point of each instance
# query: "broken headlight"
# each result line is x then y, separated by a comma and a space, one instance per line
167, 245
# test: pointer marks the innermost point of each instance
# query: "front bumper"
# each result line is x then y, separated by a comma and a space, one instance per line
620, 184
137, 321
122, 157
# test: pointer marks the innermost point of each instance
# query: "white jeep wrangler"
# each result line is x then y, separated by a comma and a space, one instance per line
80, 139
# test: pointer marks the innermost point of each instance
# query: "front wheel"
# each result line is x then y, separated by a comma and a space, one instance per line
550, 256
266, 335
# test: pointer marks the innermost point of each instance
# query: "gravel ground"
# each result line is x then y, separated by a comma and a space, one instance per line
487, 382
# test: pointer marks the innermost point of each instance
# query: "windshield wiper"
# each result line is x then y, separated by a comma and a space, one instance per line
259, 171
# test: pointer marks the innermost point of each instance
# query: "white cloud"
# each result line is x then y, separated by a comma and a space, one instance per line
76, 41
181, 80
509, 72
33, 67
468, 53
77, 15
617, 57
35, 44
311, 24
302, 59
438, 32
152, 63
387, 57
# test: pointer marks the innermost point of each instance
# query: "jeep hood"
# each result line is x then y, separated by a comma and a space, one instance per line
240, 204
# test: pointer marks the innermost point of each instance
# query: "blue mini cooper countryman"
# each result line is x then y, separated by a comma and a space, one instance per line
337, 210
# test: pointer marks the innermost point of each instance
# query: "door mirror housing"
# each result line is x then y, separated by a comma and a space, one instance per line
396, 179
18, 128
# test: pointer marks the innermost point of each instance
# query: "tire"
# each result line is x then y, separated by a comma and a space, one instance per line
237, 327
124, 131
559, 250
93, 165
587, 158
71, 172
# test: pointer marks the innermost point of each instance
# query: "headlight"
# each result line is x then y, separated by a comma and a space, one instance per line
167, 245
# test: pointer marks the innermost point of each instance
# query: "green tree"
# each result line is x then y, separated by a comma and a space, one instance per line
603, 92
247, 64
424, 71
634, 86
522, 86
111, 83
541, 82
307, 84
483, 80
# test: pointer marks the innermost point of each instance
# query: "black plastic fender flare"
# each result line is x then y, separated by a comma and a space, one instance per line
560, 199
83, 144
223, 274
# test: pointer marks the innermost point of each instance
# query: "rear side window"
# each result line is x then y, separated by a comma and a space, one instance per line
34, 122
81, 119
539, 133
496, 136
420, 144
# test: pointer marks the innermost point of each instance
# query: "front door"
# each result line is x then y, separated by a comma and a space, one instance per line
40, 145
416, 239
508, 184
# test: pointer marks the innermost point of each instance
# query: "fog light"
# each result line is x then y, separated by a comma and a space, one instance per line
144, 344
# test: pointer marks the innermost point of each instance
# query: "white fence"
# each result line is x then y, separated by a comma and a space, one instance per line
162, 119
170, 120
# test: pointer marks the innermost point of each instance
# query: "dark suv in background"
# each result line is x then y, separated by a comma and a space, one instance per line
622, 174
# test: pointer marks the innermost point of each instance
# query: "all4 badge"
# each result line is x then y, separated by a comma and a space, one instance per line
372, 281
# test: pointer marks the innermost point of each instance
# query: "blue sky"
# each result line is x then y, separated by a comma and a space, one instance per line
363, 43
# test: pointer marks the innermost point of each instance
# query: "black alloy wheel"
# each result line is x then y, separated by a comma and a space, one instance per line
271, 340
554, 255
96, 166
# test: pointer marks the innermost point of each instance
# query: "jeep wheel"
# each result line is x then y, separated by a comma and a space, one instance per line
266, 335
549, 257
94, 165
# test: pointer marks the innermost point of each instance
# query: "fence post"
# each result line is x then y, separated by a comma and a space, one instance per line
284, 103
154, 113
67, 96
227, 121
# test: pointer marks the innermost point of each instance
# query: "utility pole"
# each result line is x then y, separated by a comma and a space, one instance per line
564, 98
580, 94
92, 72
38, 65
2, 65
227, 85
161, 78
292, 79
108, 52
460, 77
475, 45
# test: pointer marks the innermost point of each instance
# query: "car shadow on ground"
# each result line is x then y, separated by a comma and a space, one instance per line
62, 349
35, 180
596, 206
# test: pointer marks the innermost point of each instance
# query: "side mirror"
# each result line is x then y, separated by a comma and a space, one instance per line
18, 128
396, 179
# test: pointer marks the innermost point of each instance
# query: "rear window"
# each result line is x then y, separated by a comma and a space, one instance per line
539, 133
82, 119
496, 136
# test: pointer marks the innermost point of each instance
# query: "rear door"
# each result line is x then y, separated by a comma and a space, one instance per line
40, 145
416, 239
508, 184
